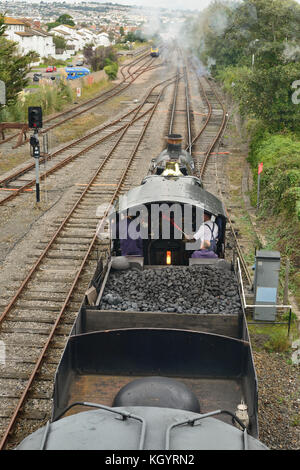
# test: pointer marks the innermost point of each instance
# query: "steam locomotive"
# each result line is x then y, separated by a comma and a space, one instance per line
131, 377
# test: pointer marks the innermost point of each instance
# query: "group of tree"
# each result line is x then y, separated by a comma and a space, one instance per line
62, 19
14, 67
100, 58
131, 36
254, 46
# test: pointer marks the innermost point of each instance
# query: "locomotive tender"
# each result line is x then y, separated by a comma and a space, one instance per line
134, 378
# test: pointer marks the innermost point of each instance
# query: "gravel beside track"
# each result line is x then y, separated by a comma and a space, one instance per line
278, 398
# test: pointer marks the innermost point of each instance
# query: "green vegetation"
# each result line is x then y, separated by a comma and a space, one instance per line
100, 57
62, 19
273, 338
252, 48
52, 98
60, 42
111, 69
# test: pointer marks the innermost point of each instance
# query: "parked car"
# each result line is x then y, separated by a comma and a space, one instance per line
37, 77
51, 69
79, 63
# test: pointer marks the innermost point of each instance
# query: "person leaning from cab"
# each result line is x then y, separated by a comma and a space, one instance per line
207, 232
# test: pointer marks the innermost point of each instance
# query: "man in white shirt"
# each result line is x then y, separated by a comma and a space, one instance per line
208, 231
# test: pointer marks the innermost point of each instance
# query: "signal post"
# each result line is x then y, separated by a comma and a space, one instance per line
35, 121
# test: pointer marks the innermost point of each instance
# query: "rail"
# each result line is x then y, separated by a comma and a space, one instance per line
84, 260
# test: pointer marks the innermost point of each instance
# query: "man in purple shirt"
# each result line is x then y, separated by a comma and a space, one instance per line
205, 251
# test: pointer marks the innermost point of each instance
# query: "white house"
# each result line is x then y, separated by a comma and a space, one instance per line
103, 40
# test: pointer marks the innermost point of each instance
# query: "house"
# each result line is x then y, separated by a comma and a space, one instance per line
103, 40
29, 37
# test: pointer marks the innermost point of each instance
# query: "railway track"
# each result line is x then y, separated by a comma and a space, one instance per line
129, 74
38, 318
22, 179
206, 149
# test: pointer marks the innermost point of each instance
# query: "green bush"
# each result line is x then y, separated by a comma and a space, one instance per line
280, 180
111, 69
52, 98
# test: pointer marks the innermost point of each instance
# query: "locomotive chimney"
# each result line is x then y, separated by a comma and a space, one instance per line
174, 144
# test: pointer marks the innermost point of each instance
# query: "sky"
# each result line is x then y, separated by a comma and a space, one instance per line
172, 4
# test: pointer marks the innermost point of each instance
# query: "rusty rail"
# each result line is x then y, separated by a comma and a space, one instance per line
102, 95
83, 263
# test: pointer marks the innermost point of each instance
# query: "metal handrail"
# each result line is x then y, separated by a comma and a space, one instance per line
192, 421
123, 414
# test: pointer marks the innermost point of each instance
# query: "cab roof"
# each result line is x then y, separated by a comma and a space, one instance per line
182, 189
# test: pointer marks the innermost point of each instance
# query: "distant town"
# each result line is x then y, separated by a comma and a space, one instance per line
34, 26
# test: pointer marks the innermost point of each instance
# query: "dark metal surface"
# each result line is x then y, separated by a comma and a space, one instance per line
217, 366
184, 190
161, 392
163, 428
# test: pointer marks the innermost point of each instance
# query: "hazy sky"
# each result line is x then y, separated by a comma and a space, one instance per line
173, 4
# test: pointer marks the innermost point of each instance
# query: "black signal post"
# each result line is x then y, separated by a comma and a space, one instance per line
35, 122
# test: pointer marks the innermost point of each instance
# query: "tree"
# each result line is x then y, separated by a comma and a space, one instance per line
62, 19
66, 19
111, 69
230, 33
96, 57
60, 42
255, 46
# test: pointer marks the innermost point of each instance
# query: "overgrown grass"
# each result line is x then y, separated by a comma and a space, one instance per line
52, 98
273, 338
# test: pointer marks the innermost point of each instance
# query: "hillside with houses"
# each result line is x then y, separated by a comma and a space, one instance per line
92, 24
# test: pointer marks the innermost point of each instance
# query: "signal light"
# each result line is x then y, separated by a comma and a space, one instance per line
35, 118
169, 257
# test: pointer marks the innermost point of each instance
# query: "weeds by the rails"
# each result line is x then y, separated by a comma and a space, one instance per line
77, 127
273, 338
52, 97
91, 90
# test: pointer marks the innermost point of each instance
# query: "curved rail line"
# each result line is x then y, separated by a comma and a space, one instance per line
100, 99
5, 181
120, 181
215, 141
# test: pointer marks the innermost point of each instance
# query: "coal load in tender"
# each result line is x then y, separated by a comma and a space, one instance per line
177, 289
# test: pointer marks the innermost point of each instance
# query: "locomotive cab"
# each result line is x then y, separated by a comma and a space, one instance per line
156, 221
